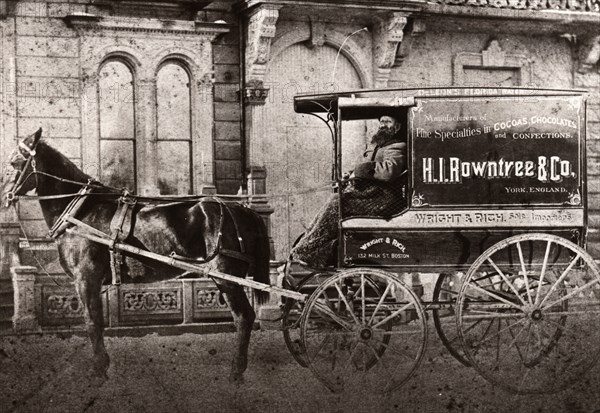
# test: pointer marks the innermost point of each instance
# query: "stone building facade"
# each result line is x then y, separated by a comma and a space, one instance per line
196, 96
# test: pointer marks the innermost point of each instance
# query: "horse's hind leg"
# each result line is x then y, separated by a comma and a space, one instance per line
89, 294
243, 318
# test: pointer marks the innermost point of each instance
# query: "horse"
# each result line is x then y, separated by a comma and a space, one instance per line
195, 228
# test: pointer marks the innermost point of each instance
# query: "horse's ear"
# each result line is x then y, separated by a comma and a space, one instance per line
37, 137
32, 140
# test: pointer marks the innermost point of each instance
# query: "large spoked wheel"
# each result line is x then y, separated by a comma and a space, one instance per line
363, 330
528, 313
445, 294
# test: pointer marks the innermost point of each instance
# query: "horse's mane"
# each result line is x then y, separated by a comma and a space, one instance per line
57, 161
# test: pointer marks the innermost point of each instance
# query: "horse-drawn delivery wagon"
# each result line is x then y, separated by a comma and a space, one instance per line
494, 207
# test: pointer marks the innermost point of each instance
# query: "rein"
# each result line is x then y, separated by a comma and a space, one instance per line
183, 198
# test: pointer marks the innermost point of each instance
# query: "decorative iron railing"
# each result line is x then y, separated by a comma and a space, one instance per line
558, 5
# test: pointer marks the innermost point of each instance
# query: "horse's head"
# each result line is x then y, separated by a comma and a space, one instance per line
17, 178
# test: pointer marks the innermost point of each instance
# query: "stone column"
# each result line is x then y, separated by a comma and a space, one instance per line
257, 186
9, 247
24, 319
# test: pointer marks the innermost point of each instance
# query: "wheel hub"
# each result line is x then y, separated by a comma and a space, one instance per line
365, 334
537, 315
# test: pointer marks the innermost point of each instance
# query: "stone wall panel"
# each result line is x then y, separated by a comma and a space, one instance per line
227, 150
50, 47
48, 107
43, 27
48, 67
229, 131
227, 111
226, 54
57, 127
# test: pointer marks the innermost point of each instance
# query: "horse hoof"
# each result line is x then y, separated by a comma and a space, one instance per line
236, 379
100, 369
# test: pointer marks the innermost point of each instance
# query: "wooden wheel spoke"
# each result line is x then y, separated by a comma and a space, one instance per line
485, 333
527, 348
524, 270
495, 296
539, 336
500, 331
348, 306
522, 381
352, 354
393, 350
381, 300
362, 284
561, 279
471, 327
506, 280
393, 315
379, 359
322, 345
571, 294
543, 272
512, 343
323, 309
528, 326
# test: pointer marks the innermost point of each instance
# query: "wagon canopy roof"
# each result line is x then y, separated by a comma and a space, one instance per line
378, 99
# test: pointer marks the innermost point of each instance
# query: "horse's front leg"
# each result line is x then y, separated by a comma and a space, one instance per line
243, 318
88, 286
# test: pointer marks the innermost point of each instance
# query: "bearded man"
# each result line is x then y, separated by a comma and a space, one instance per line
375, 189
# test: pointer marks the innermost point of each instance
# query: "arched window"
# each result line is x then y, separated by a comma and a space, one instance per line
117, 126
173, 97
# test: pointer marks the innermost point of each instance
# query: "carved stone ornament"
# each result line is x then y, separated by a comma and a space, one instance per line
388, 33
208, 299
256, 95
416, 30
493, 55
261, 30
317, 34
589, 54
87, 21
63, 306
554, 5
165, 301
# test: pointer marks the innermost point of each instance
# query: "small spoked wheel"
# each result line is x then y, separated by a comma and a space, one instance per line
528, 313
363, 330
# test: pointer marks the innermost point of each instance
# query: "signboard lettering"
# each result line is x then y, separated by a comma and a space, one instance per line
491, 151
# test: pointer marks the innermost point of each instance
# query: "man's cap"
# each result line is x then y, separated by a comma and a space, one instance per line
396, 113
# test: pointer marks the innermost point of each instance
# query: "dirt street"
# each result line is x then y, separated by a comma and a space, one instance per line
188, 373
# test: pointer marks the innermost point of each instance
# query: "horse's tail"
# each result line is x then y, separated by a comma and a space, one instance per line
262, 257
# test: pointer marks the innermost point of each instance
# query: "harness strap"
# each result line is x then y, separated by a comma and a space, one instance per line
70, 211
219, 250
120, 228
235, 225
237, 255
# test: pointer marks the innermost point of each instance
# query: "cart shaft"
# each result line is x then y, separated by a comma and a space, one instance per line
196, 268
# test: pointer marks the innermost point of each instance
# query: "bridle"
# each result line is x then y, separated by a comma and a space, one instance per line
22, 179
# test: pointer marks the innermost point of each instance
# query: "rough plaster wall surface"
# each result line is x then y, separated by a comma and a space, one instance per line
296, 149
